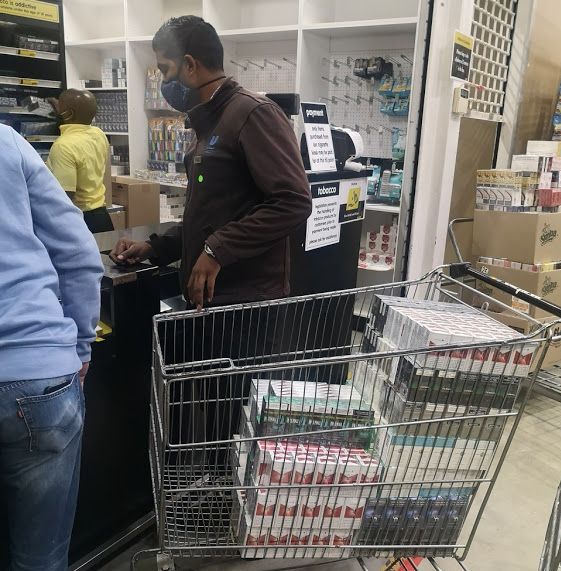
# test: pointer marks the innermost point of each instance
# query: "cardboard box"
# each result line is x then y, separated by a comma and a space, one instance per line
529, 237
140, 198
119, 219
546, 285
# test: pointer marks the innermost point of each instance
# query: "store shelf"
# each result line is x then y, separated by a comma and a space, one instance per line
29, 82
33, 54
100, 43
117, 133
106, 88
382, 208
270, 33
376, 268
363, 27
20, 111
41, 138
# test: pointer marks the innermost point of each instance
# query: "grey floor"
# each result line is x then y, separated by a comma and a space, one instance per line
512, 530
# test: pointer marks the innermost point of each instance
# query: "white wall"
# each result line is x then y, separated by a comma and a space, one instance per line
439, 141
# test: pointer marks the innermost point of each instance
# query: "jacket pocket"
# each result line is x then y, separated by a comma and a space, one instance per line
54, 419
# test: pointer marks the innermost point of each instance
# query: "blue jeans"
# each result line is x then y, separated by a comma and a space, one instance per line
41, 426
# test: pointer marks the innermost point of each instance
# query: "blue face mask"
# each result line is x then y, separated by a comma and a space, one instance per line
179, 97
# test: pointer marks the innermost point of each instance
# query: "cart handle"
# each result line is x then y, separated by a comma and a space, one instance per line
452, 236
462, 269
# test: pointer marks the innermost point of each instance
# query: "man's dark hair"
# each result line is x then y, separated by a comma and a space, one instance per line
190, 35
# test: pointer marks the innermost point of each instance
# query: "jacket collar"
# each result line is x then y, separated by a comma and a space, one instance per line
203, 116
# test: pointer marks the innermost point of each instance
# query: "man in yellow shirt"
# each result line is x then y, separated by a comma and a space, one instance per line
79, 157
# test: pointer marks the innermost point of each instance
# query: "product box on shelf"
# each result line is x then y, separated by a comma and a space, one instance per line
529, 238
140, 198
531, 163
545, 284
544, 148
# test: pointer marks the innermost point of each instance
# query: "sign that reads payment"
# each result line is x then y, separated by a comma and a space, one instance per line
323, 228
318, 137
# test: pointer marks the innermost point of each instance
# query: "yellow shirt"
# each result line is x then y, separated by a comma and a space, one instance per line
77, 159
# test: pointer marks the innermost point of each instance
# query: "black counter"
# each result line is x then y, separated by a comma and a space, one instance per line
115, 484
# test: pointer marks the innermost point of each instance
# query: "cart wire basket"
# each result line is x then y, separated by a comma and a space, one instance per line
371, 422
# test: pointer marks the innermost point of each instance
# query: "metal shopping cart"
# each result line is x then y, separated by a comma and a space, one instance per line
331, 426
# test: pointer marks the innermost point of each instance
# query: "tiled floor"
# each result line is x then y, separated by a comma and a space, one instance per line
512, 530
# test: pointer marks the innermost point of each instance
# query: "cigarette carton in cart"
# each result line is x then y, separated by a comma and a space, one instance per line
435, 452
304, 468
330, 543
253, 536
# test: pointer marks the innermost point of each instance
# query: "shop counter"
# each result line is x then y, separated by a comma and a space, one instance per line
115, 485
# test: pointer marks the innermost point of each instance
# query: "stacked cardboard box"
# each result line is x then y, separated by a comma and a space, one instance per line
523, 247
140, 199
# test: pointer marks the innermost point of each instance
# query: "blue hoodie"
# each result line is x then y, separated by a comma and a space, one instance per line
50, 270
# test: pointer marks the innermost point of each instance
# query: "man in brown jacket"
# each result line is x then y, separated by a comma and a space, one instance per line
247, 189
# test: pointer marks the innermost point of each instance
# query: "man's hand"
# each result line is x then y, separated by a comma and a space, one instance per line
130, 252
203, 277
83, 372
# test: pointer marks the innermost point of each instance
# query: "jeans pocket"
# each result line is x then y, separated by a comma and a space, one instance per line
54, 419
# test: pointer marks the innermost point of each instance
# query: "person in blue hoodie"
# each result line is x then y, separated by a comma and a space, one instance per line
50, 273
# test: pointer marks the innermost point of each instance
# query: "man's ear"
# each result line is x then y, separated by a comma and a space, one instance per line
189, 63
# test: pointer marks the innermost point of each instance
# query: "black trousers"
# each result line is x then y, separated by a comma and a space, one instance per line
98, 220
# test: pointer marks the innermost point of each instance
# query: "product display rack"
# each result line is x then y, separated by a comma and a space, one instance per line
26, 70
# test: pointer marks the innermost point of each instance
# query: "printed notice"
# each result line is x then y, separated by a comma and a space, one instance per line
323, 228
352, 198
33, 9
318, 137
461, 56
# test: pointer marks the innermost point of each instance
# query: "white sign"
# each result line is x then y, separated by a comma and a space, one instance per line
318, 137
352, 200
323, 228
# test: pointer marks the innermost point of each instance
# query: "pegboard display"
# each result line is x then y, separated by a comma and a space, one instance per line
355, 103
267, 74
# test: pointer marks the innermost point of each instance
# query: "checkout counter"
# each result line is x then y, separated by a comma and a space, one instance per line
115, 500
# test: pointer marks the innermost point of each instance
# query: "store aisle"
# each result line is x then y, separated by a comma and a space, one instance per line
512, 532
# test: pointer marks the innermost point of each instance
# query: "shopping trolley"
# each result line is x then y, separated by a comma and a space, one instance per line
322, 426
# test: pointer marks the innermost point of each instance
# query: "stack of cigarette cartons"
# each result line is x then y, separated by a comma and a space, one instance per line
289, 407
303, 493
114, 72
380, 247
300, 494
523, 247
415, 521
446, 457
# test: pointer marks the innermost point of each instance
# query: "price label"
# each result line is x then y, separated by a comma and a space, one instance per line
29, 82
27, 53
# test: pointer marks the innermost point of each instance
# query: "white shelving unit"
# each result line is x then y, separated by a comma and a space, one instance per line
270, 45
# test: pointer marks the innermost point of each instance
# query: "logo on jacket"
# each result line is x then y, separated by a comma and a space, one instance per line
213, 140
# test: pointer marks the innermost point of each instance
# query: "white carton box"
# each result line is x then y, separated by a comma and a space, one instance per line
326, 470
304, 468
